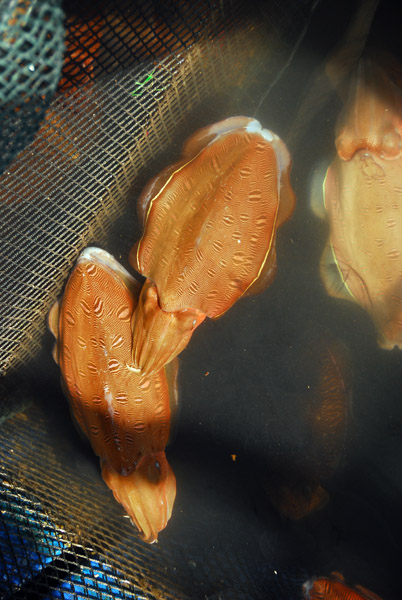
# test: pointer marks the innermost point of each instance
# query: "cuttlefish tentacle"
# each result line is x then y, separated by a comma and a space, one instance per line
149, 490
210, 223
160, 335
125, 416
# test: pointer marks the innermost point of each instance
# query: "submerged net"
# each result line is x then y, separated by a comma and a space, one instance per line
31, 58
136, 76
130, 81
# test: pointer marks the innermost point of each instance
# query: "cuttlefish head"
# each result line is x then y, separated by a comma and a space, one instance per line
297, 501
147, 494
158, 335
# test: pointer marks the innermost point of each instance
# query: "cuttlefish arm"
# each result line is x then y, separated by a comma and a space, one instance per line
125, 416
160, 335
371, 119
147, 494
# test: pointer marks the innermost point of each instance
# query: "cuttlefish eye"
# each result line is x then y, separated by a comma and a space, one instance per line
154, 472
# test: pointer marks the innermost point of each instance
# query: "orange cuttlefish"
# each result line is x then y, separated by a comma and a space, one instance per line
334, 588
210, 223
126, 416
363, 203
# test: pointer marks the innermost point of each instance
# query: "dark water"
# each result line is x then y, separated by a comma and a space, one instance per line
244, 412
249, 403
242, 380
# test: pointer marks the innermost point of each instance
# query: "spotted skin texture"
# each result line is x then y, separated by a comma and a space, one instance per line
125, 416
334, 588
362, 191
210, 223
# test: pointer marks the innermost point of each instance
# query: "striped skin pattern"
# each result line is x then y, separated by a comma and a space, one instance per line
125, 416
334, 588
210, 223
362, 191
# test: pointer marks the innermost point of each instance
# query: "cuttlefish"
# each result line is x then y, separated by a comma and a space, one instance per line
125, 416
210, 223
297, 491
335, 588
362, 193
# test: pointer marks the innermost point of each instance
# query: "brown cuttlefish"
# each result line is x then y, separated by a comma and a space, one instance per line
210, 224
296, 490
362, 195
125, 416
335, 588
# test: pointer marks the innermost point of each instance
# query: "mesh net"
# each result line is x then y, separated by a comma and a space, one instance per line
85, 544
74, 180
31, 57
136, 78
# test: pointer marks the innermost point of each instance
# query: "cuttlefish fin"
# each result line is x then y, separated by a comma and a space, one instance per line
287, 197
53, 325
147, 494
266, 276
171, 371
202, 137
334, 283
329, 268
158, 335
153, 188
317, 190
338, 575
368, 594
341, 280
339, 277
